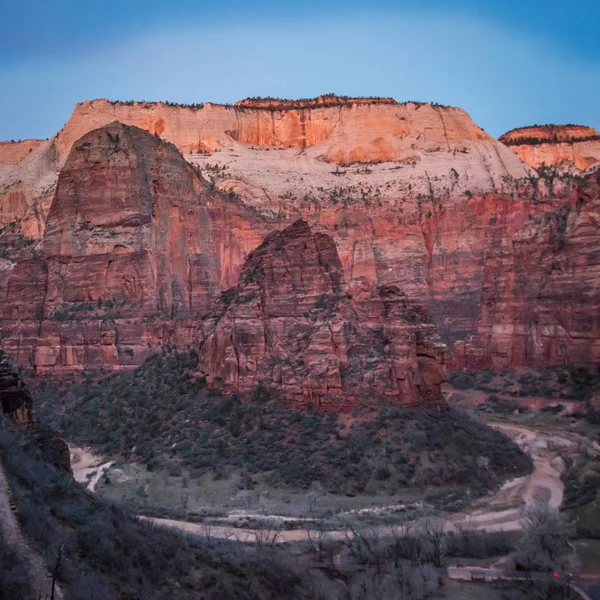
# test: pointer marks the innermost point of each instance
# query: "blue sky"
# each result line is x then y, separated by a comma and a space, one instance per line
508, 63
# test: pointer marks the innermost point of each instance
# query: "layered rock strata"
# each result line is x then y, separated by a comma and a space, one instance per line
541, 291
345, 129
102, 290
129, 256
293, 323
568, 145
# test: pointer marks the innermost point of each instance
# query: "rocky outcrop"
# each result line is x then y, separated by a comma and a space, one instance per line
128, 259
16, 404
550, 145
294, 324
11, 153
541, 292
15, 400
345, 130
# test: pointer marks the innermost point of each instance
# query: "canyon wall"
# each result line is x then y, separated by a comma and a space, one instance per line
550, 145
129, 259
432, 138
112, 243
294, 324
541, 293
346, 130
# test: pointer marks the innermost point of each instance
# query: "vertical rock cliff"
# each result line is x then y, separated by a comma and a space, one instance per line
568, 145
112, 243
128, 245
294, 324
541, 293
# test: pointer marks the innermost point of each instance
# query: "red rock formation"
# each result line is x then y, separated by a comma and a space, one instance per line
11, 153
350, 129
128, 259
541, 293
428, 221
293, 323
551, 145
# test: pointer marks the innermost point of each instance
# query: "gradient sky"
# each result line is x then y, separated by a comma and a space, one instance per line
508, 63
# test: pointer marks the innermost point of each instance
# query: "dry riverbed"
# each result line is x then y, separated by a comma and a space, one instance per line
501, 510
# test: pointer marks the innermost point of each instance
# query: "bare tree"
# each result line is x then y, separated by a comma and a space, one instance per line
406, 582
323, 545
61, 558
545, 544
266, 537
435, 536
366, 546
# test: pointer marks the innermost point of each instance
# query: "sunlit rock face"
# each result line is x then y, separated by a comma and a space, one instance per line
115, 242
550, 145
294, 324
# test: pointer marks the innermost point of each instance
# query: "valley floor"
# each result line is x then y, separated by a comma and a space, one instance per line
500, 511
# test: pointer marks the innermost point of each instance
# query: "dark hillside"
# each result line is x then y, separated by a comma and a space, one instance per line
160, 413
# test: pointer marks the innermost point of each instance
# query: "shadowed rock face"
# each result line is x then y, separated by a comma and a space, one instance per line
541, 291
294, 324
15, 401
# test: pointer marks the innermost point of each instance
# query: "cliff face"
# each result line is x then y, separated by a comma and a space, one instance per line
346, 130
293, 323
129, 223
128, 257
551, 145
541, 298
425, 140
137, 240
11, 153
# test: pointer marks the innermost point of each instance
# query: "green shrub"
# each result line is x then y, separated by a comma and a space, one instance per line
163, 411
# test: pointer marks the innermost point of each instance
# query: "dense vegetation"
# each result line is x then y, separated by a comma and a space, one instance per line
582, 494
161, 414
107, 553
110, 554
561, 383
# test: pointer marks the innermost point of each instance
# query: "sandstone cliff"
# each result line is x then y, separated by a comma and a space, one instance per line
345, 130
11, 153
293, 323
541, 298
570, 145
426, 142
109, 283
128, 257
